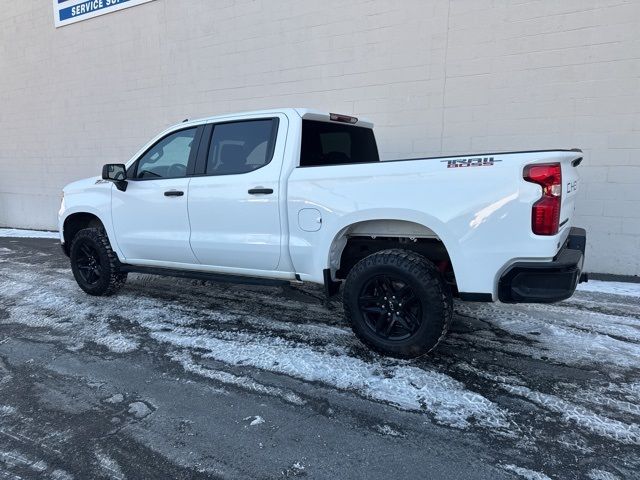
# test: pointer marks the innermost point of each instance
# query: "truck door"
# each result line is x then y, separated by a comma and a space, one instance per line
234, 197
150, 218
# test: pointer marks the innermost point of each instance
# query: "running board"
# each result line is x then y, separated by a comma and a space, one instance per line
196, 275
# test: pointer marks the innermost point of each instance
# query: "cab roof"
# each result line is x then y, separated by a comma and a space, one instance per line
305, 113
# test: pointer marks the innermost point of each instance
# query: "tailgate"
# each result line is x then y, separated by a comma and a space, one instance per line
570, 185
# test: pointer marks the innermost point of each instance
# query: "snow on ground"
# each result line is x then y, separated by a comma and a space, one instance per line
559, 332
570, 412
614, 288
597, 474
526, 473
19, 233
405, 386
255, 420
139, 409
15, 458
398, 383
109, 466
562, 376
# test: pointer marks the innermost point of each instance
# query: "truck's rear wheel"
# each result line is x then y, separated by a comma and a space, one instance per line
94, 264
398, 303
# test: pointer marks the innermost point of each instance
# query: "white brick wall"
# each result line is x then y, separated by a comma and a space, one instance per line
439, 76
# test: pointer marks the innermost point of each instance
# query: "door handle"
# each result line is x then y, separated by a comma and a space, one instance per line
173, 193
257, 191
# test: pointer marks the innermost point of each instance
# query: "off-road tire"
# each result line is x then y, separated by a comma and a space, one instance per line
431, 291
111, 279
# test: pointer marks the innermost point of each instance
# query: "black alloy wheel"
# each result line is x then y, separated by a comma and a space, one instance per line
94, 264
398, 303
88, 263
390, 307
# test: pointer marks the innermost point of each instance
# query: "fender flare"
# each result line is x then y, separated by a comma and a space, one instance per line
330, 242
104, 219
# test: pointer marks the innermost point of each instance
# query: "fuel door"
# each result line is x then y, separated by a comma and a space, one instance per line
309, 219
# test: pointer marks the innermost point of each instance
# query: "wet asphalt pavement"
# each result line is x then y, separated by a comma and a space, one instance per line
188, 379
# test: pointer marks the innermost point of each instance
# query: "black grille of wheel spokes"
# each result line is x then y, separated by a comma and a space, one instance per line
390, 307
88, 263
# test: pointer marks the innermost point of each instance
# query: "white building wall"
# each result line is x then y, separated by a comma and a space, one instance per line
436, 76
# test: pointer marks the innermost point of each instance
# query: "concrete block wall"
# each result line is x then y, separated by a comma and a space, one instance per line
436, 77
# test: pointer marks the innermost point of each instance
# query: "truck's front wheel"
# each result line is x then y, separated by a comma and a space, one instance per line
94, 264
398, 303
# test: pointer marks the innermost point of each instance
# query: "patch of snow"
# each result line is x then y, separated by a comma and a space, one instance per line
14, 459
188, 363
117, 398
6, 410
597, 474
568, 335
61, 475
110, 466
614, 288
606, 397
75, 347
39, 466
402, 385
20, 233
387, 430
525, 472
571, 412
43, 305
115, 342
255, 420
139, 409
297, 469
599, 424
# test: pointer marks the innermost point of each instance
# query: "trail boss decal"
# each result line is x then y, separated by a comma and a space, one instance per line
471, 162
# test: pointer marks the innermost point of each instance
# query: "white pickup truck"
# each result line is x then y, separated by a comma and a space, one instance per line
297, 195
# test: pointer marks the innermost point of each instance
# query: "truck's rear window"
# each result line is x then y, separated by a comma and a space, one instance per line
325, 143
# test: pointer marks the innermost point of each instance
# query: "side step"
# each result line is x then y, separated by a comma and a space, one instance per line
196, 275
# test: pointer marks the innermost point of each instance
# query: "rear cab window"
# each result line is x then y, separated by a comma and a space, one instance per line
332, 143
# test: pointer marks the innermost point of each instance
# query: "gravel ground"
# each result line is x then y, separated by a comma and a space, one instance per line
188, 379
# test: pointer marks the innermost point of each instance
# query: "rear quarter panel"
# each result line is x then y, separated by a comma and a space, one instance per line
481, 213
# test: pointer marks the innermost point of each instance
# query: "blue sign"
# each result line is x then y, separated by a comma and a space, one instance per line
71, 11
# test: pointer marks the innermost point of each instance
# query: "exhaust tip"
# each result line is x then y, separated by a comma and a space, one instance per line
584, 278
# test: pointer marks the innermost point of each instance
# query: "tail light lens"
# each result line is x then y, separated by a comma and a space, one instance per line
338, 117
545, 214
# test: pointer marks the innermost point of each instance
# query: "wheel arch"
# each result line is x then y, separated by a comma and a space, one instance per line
75, 222
411, 230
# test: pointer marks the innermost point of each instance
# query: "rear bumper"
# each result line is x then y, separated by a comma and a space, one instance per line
546, 282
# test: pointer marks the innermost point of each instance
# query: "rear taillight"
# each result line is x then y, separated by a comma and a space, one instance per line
545, 214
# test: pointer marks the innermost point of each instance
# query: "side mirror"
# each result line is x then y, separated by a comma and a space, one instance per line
116, 173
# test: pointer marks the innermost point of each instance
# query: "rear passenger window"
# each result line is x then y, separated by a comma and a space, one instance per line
327, 143
241, 147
